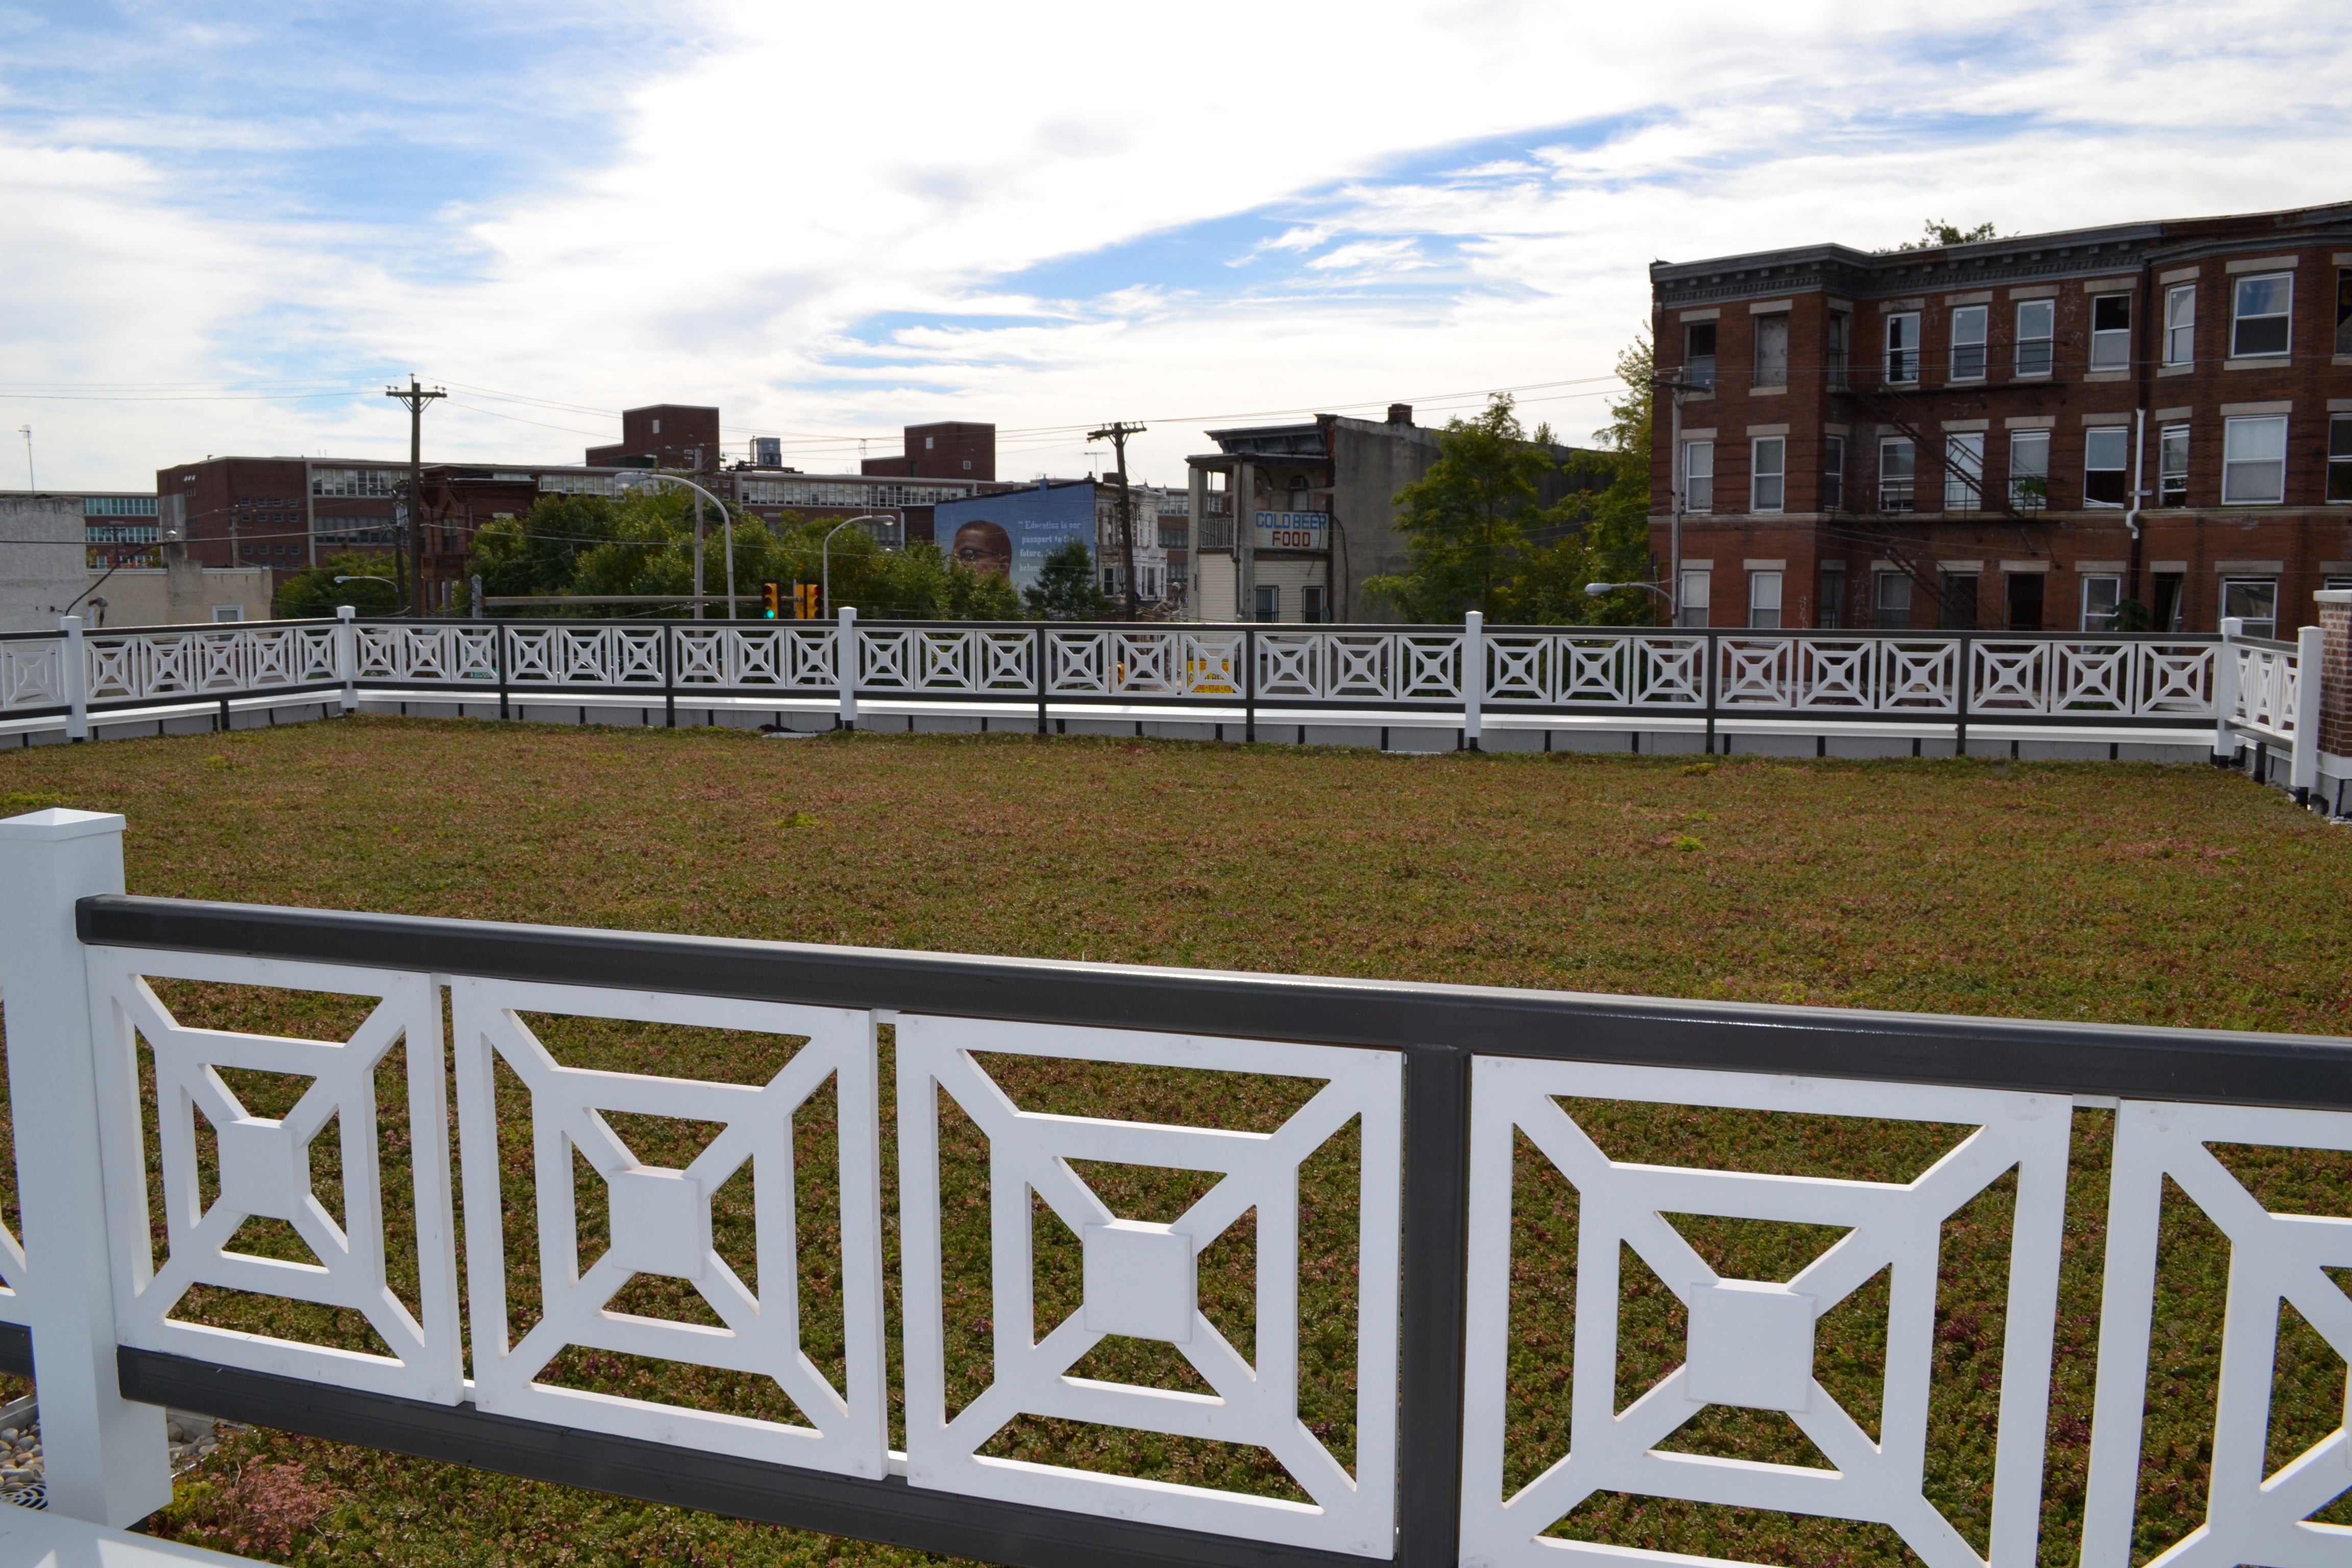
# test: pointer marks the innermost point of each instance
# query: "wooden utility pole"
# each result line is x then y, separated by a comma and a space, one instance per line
415, 397
1115, 433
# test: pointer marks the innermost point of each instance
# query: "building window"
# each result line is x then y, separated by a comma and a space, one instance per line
1832, 607
1959, 600
2339, 457
2101, 595
1833, 348
2025, 601
2344, 310
1772, 351
2172, 466
1697, 592
2106, 453
1834, 473
1764, 601
2253, 462
1892, 605
1698, 355
1767, 474
228, 612
2029, 469
1968, 342
1698, 476
2253, 600
2111, 331
1268, 605
2037, 322
2181, 324
2258, 325
1310, 603
2165, 611
1902, 347
1964, 472
1898, 467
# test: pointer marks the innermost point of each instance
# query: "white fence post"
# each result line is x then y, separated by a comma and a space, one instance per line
1473, 676
73, 671
104, 1459
844, 668
347, 656
2225, 692
2310, 656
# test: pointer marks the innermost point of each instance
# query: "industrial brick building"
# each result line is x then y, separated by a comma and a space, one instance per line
2052, 432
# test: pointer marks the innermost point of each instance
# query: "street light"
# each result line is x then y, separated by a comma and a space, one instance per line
824, 551
1674, 596
367, 577
647, 478
1598, 589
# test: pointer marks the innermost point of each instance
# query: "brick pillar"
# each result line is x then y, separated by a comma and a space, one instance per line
2335, 672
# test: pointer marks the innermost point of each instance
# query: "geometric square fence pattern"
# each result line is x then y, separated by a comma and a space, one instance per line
660, 1224
2249, 1517
264, 1171
1750, 1343
1139, 1280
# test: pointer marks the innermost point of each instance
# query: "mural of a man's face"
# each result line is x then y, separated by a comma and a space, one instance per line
985, 547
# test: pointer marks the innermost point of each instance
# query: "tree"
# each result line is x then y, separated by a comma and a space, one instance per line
1936, 233
1465, 520
315, 593
643, 544
1065, 588
1604, 524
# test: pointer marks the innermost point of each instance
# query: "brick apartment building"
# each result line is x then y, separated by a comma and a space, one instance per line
288, 514
2012, 434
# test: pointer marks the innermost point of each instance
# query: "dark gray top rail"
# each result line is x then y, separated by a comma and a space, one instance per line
2142, 1062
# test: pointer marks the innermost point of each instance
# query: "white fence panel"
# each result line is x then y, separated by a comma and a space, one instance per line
32, 673
1140, 1281
265, 1172
1751, 1343
660, 1223
2275, 1259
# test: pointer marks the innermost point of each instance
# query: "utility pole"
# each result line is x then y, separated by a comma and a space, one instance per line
1115, 433
27, 432
415, 397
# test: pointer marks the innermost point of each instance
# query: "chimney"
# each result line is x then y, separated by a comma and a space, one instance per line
1399, 413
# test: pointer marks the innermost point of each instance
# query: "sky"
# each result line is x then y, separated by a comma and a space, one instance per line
225, 227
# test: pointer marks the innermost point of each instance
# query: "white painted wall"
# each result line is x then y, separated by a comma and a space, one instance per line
41, 556
140, 597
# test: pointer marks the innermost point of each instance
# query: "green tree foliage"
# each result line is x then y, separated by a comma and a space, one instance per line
315, 592
1465, 521
1066, 589
644, 543
1477, 539
1936, 233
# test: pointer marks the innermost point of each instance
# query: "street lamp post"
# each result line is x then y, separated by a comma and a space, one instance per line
1674, 595
824, 551
725, 517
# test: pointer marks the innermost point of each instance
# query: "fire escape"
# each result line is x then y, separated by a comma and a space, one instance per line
1895, 407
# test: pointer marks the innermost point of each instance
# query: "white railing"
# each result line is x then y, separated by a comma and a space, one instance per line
2271, 691
207, 661
1937, 679
1490, 1085
32, 673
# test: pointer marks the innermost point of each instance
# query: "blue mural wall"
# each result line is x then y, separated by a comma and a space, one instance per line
1012, 535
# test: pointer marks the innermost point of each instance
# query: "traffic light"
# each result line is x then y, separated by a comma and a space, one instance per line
805, 602
772, 600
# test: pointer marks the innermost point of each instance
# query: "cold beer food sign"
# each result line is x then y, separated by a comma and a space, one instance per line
1293, 530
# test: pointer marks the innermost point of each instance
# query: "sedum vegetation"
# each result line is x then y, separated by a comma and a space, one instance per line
2115, 893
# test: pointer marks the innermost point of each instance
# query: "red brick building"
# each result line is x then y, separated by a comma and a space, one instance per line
948, 450
2040, 432
682, 435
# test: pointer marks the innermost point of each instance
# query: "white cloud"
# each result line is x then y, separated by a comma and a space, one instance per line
774, 192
